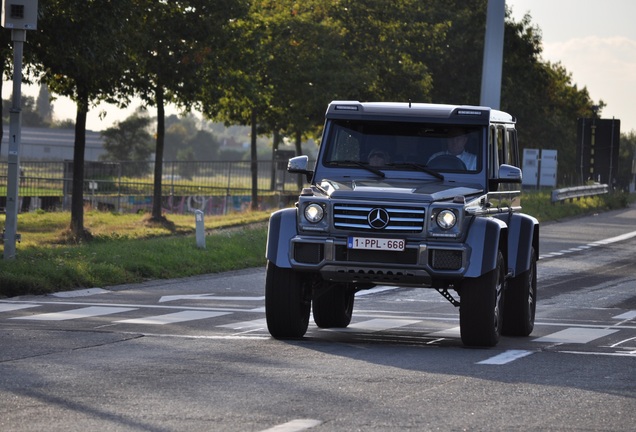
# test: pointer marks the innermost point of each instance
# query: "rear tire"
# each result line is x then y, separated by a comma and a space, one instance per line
480, 310
287, 303
333, 305
521, 302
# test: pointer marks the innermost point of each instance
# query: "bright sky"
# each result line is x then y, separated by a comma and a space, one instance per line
595, 40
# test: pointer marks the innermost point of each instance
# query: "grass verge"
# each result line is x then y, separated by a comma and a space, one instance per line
129, 248
126, 249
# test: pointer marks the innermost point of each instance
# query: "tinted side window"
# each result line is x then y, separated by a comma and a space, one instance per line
512, 147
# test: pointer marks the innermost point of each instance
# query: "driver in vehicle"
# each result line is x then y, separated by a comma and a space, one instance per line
456, 146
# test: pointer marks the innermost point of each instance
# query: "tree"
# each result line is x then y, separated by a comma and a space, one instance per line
302, 56
43, 104
456, 67
542, 97
129, 140
28, 111
627, 160
174, 40
6, 62
204, 145
79, 53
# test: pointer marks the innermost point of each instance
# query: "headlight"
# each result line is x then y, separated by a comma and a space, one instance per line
446, 219
314, 213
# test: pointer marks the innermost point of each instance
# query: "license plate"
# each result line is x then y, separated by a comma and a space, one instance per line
376, 244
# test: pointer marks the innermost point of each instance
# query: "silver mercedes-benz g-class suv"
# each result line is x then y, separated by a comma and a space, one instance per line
409, 195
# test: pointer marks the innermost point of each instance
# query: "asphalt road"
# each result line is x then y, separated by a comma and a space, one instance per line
194, 355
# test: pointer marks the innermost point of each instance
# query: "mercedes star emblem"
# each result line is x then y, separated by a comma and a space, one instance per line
378, 218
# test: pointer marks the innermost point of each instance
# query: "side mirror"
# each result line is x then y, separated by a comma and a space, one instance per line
509, 174
298, 165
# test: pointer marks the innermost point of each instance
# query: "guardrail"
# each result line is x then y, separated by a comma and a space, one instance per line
578, 192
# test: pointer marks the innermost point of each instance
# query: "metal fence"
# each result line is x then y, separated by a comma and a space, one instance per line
578, 192
128, 186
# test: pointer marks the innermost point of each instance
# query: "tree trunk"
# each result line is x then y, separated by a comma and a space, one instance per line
1, 109
254, 164
77, 197
274, 158
161, 133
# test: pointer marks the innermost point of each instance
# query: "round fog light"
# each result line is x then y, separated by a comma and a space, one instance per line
314, 213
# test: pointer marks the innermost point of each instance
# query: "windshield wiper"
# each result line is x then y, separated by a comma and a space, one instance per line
364, 165
422, 168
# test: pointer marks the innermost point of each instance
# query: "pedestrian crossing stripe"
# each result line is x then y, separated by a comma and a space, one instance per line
173, 318
630, 315
9, 307
87, 312
453, 332
575, 335
378, 324
246, 325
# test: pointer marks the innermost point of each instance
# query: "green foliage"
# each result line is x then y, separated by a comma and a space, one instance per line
128, 140
538, 204
29, 113
626, 160
542, 97
285, 60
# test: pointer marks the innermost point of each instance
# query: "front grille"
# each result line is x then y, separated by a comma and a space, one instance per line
402, 219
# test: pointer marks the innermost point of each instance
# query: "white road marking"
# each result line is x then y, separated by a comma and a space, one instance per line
294, 426
87, 312
453, 332
614, 354
79, 293
378, 324
575, 335
622, 237
626, 316
244, 325
164, 299
173, 318
506, 357
603, 242
8, 307
135, 306
375, 290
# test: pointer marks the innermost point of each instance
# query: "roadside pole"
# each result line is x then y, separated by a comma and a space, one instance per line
13, 168
19, 16
493, 55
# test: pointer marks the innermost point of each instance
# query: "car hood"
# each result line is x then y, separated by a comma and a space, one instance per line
397, 189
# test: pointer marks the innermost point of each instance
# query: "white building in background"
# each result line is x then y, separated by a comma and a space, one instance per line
52, 144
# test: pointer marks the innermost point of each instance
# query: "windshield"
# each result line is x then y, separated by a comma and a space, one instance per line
404, 145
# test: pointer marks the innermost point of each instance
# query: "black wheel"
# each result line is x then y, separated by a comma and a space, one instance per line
447, 161
480, 309
333, 305
287, 303
521, 302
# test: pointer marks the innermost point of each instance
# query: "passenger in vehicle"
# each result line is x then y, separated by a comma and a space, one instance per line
378, 158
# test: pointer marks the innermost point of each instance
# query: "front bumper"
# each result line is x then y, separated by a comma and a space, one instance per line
418, 265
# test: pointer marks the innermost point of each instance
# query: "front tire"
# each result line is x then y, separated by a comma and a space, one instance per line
333, 305
287, 303
480, 310
521, 302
